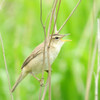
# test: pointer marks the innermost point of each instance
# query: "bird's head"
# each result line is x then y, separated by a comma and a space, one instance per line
57, 40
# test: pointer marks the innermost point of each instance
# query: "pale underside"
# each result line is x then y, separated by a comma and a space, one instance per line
34, 63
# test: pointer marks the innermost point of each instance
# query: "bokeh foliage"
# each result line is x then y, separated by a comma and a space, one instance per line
22, 31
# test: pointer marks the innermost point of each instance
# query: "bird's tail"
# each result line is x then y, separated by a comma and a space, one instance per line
21, 77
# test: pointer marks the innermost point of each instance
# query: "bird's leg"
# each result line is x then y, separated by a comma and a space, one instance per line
35, 77
40, 80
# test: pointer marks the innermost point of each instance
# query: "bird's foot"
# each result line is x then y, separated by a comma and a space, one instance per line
41, 82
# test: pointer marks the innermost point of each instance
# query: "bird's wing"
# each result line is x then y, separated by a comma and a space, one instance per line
36, 51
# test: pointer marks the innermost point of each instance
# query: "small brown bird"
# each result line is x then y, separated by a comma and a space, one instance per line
34, 63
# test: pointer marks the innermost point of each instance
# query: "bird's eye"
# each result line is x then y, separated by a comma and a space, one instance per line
56, 37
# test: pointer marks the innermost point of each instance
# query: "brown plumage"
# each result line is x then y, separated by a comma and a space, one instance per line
34, 63
36, 52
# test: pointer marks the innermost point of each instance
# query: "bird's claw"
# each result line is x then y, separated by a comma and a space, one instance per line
41, 82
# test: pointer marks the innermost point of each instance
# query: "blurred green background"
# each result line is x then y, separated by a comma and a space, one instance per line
22, 31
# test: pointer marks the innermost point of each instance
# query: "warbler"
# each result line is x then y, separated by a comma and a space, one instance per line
34, 62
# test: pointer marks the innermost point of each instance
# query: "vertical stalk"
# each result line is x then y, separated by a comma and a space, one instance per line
90, 67
48, 55
98, 67
44, 47
7, 73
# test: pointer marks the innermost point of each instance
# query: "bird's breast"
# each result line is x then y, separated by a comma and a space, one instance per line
53, 54
37, 63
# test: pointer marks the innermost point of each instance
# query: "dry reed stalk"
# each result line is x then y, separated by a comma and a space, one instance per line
44, 46
7, 73
69, 16
45, 41
98, 67
55, 19
48, 34
90, 67
45, 89
48, 57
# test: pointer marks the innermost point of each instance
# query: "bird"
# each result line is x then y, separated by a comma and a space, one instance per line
34, 62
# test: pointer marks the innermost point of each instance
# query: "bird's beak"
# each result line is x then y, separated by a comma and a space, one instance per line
64, 36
